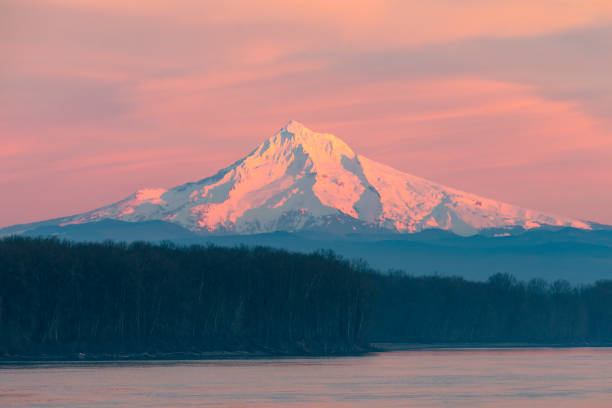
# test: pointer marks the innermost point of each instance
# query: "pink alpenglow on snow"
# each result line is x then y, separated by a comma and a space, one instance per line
300, 179
510, 99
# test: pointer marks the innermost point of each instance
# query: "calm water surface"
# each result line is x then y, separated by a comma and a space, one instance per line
579, 377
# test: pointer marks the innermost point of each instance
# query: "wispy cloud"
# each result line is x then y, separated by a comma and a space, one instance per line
130, 94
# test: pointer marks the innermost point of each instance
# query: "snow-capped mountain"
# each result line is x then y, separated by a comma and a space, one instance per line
304, 180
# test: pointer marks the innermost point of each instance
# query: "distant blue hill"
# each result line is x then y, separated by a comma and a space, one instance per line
114, 230
579, 256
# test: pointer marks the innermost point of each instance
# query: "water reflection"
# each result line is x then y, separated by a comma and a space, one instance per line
426, 378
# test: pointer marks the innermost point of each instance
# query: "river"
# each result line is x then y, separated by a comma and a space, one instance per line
536, 377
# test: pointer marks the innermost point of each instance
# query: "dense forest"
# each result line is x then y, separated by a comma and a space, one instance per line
501, 310
85, 299
60, 298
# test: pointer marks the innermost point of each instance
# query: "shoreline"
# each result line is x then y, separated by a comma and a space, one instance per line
172, 356
12, 360
387, 346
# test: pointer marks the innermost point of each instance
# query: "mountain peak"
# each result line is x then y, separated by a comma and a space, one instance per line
295, 126
300, 179
295, 135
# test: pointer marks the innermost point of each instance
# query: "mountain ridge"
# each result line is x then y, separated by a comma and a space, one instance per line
577, 255
303, 180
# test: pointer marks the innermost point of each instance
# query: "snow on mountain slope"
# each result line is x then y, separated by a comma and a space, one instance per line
300, 179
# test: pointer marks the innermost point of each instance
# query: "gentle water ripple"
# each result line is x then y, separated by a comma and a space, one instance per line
539, 378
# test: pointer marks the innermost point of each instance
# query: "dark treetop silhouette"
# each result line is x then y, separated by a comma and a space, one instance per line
106, 299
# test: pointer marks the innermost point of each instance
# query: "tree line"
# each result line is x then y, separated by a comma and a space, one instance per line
436, 309
62, 298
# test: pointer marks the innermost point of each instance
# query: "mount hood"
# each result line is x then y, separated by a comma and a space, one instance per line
301, 180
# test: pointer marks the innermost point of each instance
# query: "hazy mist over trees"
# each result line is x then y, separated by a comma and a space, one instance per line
64, 298
451, 310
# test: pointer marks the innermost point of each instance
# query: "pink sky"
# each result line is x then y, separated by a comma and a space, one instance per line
511, 100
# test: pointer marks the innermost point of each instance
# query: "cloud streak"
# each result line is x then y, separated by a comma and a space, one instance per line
478, 94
